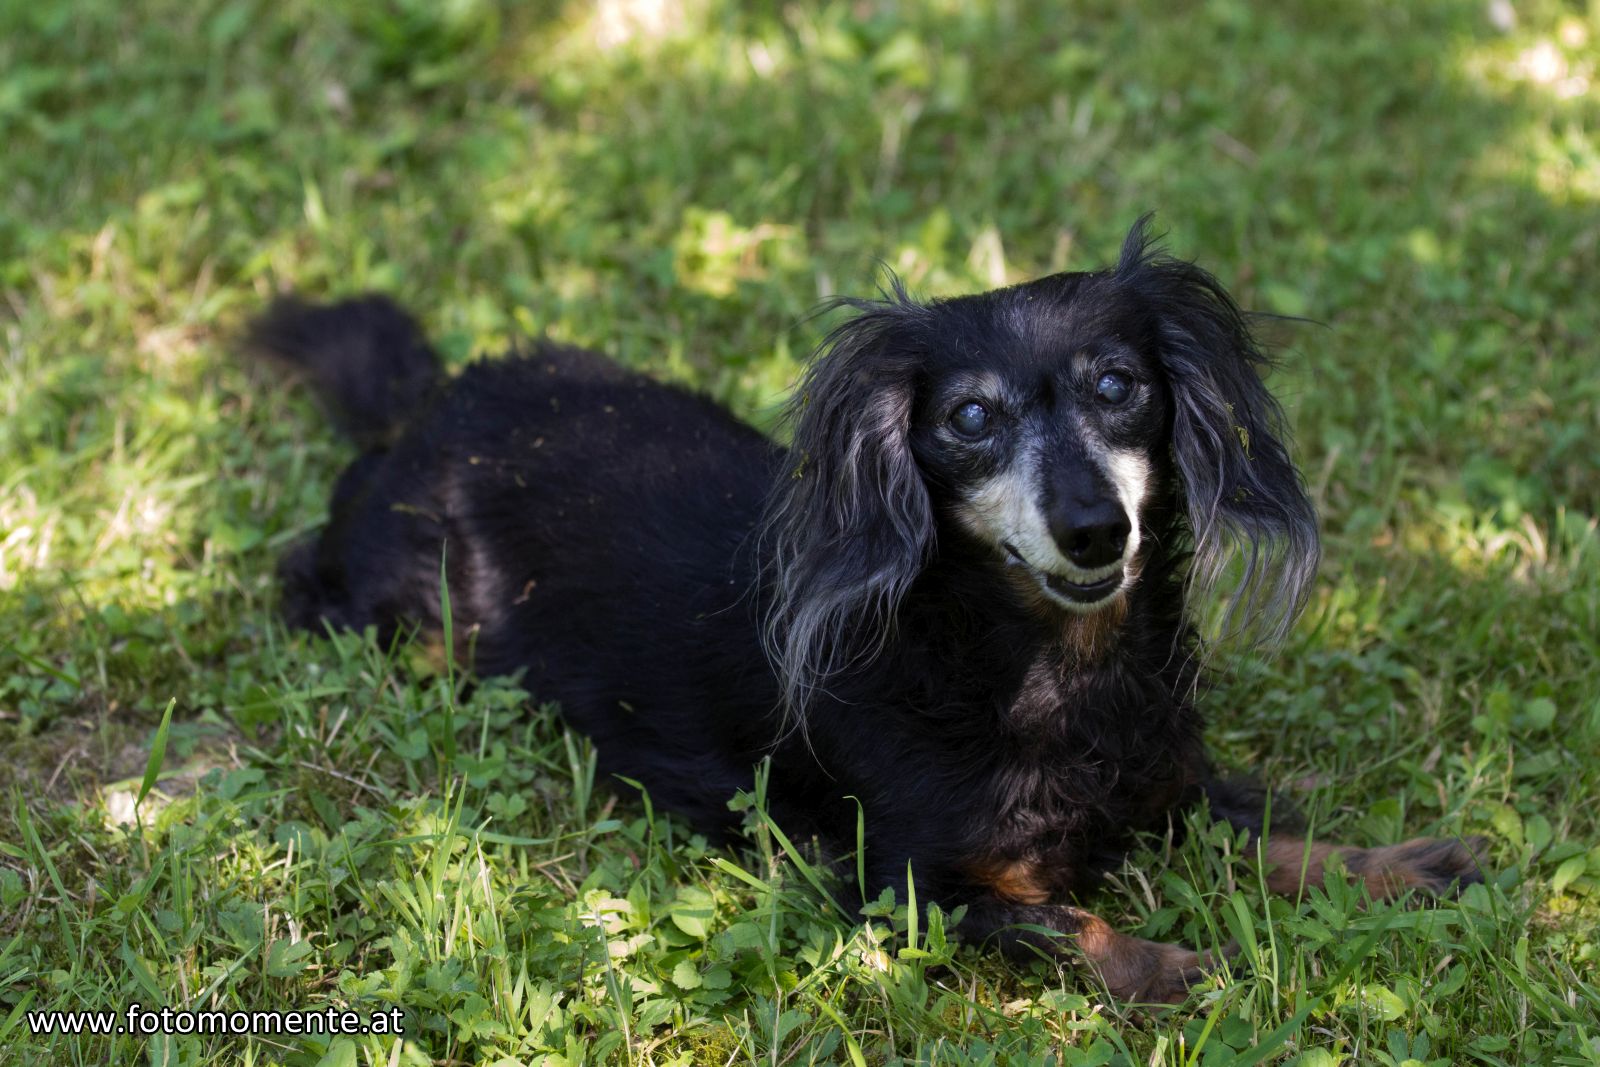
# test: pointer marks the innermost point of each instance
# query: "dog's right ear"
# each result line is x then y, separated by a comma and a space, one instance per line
849, 525
1242, 490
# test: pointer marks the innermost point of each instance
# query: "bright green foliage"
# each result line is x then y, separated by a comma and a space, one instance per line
678, 182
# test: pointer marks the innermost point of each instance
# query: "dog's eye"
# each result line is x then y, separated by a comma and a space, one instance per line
970, 419
1112, 389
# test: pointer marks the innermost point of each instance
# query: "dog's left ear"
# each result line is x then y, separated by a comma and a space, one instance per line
1241, 489
849, 524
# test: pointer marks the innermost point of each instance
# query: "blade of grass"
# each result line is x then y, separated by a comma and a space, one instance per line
449, 668
807, 872
158, 755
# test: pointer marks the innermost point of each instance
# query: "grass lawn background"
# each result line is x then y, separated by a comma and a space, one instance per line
678, 183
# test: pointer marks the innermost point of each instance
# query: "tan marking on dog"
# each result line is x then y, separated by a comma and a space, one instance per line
1086, 636
1132, 968
1135, 969
1017, 880
1091, 637
430, 648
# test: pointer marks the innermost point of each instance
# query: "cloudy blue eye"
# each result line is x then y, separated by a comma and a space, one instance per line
970, 419
1112, 389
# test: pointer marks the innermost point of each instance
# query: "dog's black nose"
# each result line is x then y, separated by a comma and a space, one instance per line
1093, 536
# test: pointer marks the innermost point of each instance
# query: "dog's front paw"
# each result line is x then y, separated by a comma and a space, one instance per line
1440, 866
1167, 973
1148, 972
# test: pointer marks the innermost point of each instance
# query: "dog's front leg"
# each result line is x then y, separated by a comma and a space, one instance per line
1433, 865
1132, 968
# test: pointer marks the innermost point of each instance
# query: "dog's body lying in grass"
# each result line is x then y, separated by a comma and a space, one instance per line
959, 598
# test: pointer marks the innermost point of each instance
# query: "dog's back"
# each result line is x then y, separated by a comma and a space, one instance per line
577, 511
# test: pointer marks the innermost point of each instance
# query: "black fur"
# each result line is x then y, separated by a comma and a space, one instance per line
698, 598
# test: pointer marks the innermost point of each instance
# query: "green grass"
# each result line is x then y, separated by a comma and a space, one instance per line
334, 823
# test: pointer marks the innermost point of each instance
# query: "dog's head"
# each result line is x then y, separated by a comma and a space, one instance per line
1046, 430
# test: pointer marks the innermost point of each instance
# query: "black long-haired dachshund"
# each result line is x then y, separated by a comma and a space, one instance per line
958, 598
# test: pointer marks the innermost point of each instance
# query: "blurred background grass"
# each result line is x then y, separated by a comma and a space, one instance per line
678, 183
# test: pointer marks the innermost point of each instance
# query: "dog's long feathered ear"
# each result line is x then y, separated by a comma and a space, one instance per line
1242, 490
849, 525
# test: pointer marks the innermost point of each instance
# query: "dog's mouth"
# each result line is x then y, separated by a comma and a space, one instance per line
1077, 594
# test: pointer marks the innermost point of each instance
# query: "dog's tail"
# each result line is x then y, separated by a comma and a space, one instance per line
366, 358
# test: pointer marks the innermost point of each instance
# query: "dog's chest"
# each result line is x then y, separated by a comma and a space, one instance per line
1086, 759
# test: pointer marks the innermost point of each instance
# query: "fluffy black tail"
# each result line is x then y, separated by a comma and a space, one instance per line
366, 358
